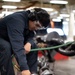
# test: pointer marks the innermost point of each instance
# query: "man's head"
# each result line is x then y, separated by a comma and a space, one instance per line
40, 17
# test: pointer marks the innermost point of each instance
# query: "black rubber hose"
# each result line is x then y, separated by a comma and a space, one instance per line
66, 52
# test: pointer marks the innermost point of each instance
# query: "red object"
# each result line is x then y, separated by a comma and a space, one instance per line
40, 53
59, 56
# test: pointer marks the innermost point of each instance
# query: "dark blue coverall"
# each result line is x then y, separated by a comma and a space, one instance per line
14, 33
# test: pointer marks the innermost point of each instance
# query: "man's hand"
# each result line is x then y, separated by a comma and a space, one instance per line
26, 72
27, 47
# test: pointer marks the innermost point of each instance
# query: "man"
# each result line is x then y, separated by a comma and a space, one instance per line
16, 37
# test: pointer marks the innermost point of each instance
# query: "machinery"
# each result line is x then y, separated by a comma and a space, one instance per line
52, 40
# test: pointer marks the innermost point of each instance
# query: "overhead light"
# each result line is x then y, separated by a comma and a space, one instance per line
59, 17
12, 0
65, 23
59, 2
56, 20
67, 19
73, 11
9, 7
54, 13
48, 9
64, 15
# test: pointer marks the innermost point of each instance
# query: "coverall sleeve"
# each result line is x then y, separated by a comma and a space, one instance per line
15, 28
31, 38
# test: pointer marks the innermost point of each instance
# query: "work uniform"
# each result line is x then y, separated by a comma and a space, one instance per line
14, 33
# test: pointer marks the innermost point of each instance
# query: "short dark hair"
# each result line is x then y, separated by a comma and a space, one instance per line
43, 16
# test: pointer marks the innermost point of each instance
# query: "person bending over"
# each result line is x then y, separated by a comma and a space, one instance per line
16, 37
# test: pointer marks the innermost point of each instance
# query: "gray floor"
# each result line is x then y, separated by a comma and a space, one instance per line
65, 67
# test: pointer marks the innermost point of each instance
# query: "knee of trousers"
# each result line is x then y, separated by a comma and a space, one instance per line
5, 48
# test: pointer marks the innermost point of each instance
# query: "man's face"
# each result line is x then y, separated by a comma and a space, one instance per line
34, 25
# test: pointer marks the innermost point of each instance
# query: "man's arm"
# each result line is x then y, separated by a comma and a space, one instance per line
15, 30
30, 41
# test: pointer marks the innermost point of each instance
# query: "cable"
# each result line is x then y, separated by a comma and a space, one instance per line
54, 47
